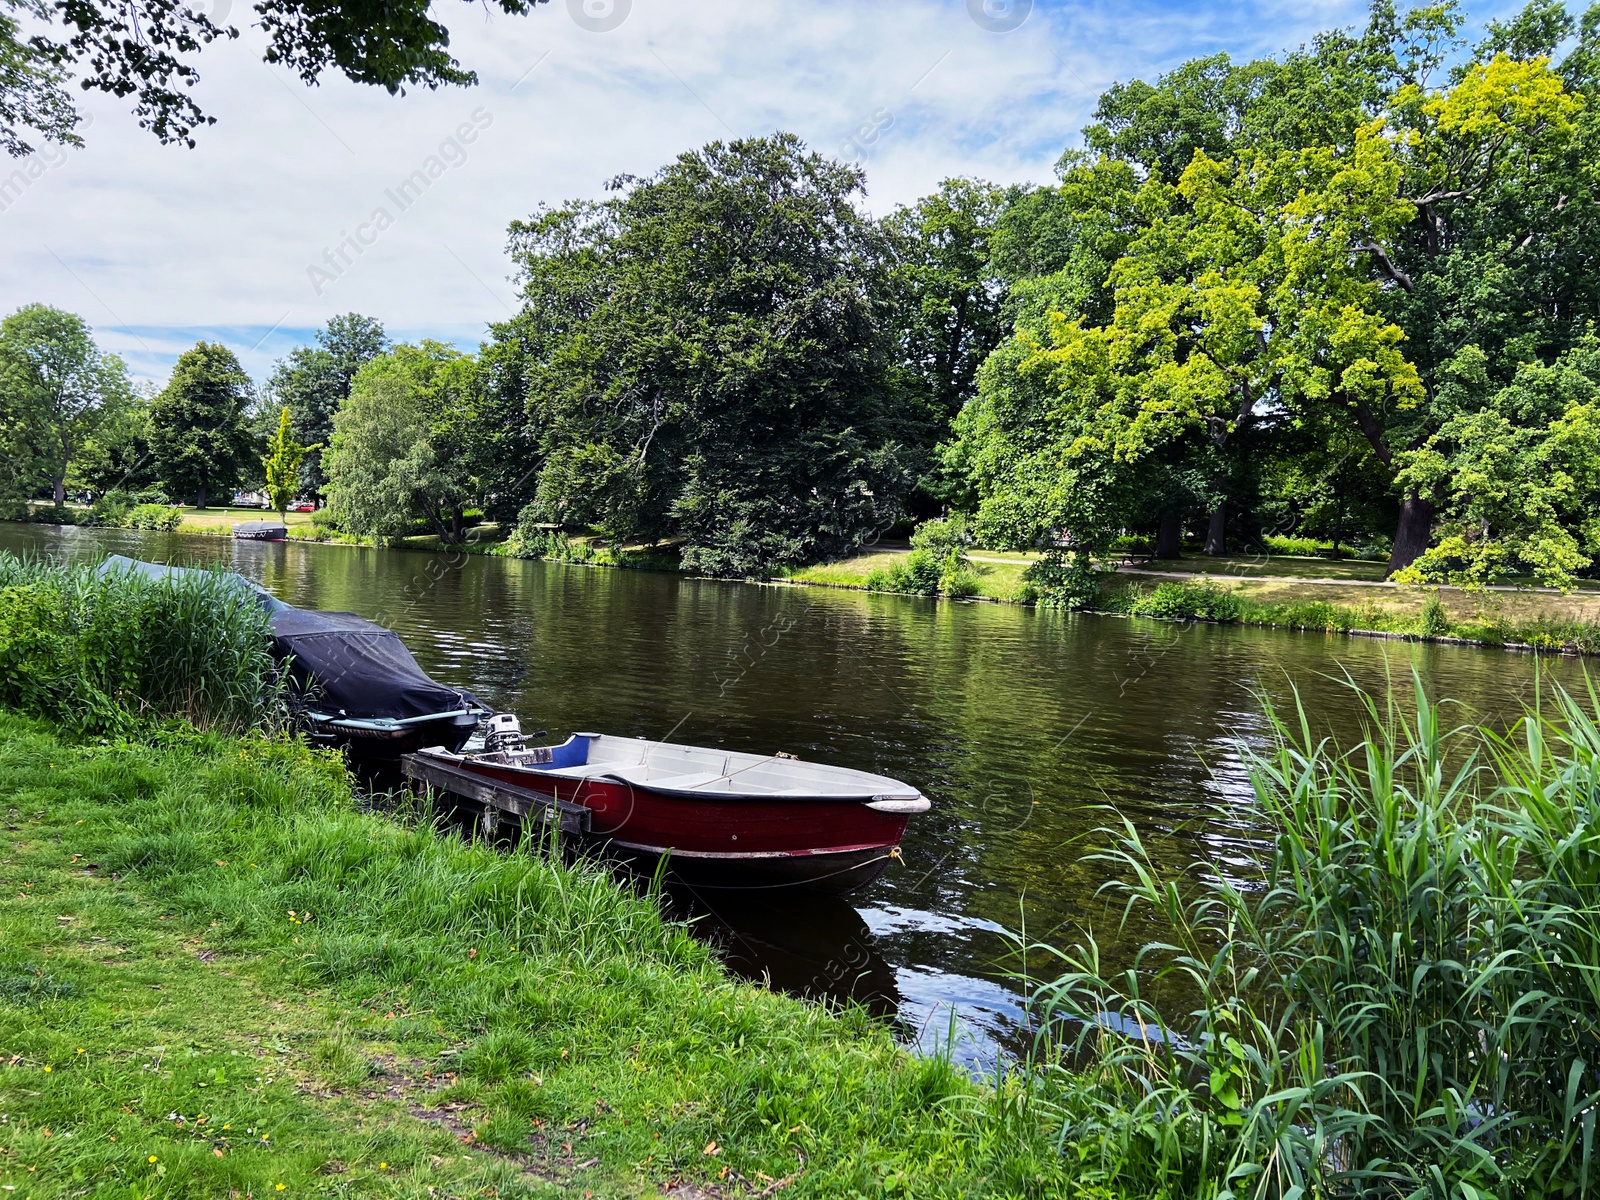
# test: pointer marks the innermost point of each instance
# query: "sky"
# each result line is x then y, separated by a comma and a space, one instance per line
236, 240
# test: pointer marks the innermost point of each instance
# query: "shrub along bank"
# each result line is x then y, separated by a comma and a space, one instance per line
1207, 601
106, 652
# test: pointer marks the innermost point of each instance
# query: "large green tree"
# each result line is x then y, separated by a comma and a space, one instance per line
1516, 476
1239, 303
706, 355
58, 387
403, 448
281, 464
117, 455
200, 432
1499, 261
312, 382
1325, 245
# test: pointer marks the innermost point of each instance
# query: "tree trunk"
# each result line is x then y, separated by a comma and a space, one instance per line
1169, 536
1414, 532
1217, 530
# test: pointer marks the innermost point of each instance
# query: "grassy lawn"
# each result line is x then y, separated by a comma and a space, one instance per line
219, 978
1268, 566
997, 580
1307, 593
999, 572
222, 520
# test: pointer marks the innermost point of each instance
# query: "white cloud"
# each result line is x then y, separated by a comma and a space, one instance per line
164, 244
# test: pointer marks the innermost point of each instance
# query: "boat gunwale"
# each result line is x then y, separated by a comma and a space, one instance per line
600, 773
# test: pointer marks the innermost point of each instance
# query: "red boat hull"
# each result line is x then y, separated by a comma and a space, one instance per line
821, 845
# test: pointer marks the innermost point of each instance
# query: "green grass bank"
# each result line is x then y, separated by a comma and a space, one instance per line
1284, 593
218, 977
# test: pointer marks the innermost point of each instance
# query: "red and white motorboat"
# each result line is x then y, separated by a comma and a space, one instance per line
724, 819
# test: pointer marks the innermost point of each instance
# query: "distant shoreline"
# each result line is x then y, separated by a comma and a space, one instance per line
1270, 592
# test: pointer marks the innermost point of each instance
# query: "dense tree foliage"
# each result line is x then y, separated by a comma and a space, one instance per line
706, 356
200, 433
1255, 268
403, 446
312, 382
1348, 292
947, 298
148, 50
117, 455
56, 389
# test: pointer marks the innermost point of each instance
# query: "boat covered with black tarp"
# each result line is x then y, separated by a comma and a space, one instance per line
351, 681
261, 531
356, 682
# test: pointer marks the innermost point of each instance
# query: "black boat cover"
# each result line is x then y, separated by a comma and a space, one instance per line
261, 529
345, 665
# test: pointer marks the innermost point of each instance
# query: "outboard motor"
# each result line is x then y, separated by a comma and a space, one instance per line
503, 732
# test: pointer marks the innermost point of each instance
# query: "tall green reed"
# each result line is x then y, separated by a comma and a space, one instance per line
106, 652
1399, 995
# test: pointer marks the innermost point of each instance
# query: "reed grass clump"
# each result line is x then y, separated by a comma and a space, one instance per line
107, 652
1396, 994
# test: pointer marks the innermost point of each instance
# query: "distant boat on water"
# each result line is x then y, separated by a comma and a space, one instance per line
261, 531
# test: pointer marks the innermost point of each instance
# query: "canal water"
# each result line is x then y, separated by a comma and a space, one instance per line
1023, 726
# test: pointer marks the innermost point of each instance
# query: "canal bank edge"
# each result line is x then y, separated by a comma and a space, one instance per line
1523, 620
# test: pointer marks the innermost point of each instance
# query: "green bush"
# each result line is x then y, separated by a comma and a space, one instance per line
1435, 618
918, 573
154, 516
1182, 600
1060, 580
944, 537
960, 583
1390, 992
533, 538
110, 511
108, 651
1302, 546
113, 509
